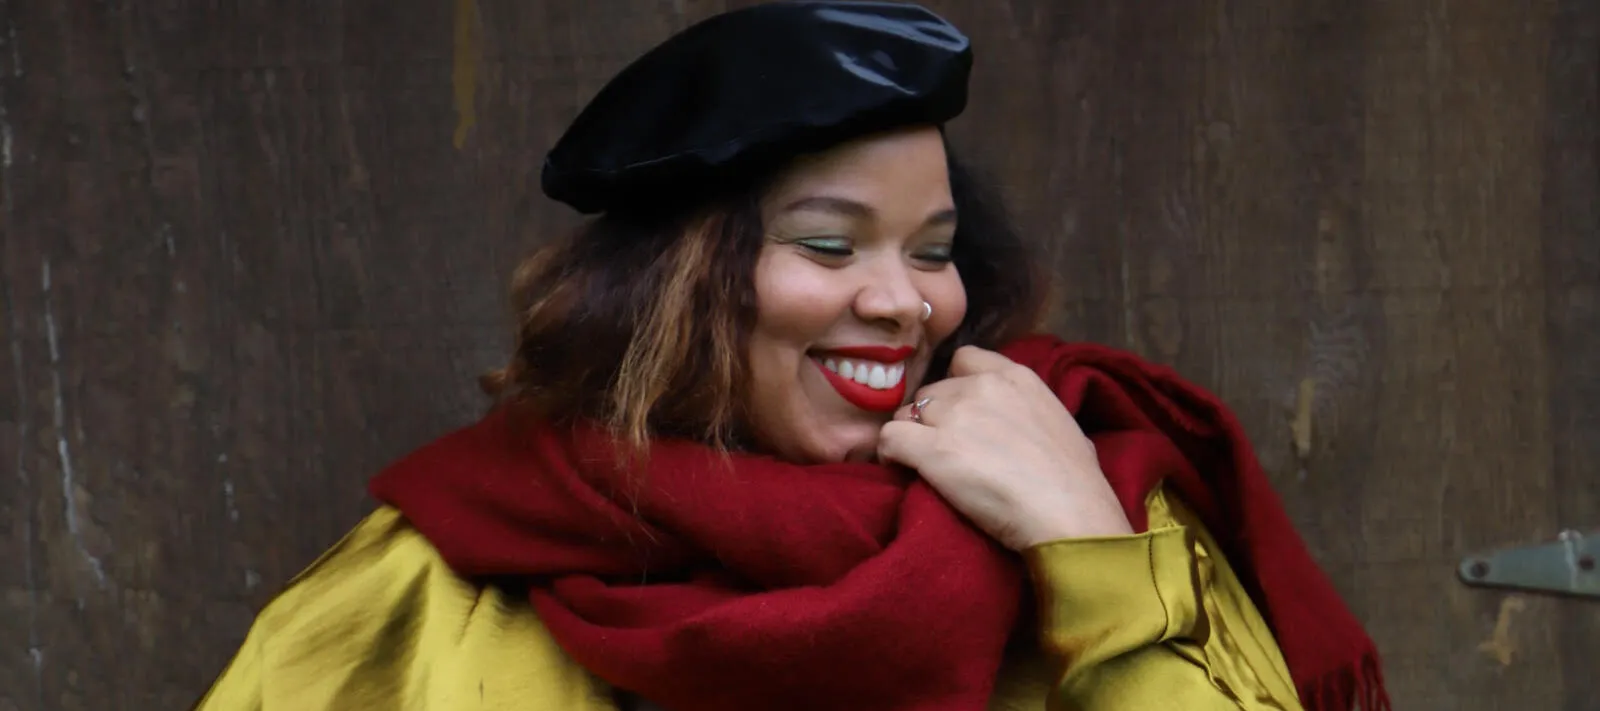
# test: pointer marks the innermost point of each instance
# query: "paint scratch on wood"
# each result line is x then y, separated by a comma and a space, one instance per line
139, 98
16, 51
464, 73
1300, 427
35, 651
1501, 645
30, 578
69, 479
5, 152
36, 655
228, 499
6, 157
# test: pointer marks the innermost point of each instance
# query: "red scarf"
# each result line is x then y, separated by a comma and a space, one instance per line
712, 584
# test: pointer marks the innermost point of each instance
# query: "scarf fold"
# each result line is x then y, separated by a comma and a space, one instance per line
721, 582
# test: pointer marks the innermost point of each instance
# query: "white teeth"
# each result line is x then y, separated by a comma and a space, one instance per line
878, 376
879, 379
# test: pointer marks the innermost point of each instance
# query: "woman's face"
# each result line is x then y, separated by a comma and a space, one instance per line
857, 238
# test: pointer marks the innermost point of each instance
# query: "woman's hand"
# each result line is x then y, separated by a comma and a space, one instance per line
999, 446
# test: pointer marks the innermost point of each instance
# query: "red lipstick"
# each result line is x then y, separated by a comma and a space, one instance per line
866, 398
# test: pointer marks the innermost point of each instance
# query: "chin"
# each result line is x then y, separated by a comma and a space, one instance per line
851, 444
813, 435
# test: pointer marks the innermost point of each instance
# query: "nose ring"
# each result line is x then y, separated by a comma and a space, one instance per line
927, 310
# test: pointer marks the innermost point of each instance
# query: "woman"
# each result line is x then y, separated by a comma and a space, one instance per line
756, 449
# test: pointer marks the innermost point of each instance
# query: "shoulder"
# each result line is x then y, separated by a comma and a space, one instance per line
380, 620
381, 564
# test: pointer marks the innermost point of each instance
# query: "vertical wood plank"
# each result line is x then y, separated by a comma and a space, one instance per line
1571, 241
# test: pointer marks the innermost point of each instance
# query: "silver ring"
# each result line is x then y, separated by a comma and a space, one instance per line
927, 310
916, 409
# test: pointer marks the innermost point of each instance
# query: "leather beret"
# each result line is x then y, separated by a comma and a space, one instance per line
745, 91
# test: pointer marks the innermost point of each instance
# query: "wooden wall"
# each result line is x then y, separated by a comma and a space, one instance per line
255, 249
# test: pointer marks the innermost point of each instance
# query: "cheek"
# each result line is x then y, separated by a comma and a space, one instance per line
768, 399
791, 313
796, 301
794, 307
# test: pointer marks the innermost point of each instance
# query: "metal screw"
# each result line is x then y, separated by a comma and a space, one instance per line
1479, 569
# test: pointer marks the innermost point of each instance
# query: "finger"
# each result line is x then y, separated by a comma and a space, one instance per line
906, 443
903, 414
944, 392
971, 360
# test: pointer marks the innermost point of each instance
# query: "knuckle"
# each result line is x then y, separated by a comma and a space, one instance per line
1018, 373
888, 443
991, 383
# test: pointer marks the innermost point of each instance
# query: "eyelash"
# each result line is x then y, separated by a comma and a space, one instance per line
837, 252
826, 248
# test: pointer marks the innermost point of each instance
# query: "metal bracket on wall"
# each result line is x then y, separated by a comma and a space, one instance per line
1565, 567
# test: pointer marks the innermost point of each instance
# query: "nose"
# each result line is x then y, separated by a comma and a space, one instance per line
889, 295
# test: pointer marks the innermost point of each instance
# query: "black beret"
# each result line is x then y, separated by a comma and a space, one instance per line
746, 90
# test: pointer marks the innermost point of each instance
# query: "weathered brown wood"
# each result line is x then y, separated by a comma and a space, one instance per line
1571, 234
246, 262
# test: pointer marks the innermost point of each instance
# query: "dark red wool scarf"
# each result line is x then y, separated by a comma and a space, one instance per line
723, 585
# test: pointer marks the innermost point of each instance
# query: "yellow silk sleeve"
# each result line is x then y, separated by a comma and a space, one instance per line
379, 622
1154, 620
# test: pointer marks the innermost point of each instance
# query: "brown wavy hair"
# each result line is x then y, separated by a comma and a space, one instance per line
641, 322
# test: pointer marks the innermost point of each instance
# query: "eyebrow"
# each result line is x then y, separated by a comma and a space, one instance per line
860, 210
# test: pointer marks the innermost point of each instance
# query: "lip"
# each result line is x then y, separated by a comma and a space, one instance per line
882, 354
860, 395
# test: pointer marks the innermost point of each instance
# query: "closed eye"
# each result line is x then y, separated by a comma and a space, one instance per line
938, 255
829, 246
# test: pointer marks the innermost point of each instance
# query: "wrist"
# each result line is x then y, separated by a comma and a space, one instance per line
1055, 523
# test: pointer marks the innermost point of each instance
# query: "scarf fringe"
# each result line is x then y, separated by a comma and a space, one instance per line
1341, 690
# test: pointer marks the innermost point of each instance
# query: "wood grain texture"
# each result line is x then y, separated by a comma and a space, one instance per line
1570, 230
245, 265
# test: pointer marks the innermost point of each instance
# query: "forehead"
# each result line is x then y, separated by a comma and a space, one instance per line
906, 166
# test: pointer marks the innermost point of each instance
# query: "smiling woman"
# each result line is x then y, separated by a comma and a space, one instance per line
709, 321
776, 435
